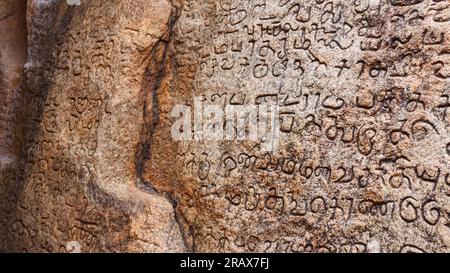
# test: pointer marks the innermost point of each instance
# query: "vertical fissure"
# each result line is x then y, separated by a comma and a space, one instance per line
154, 76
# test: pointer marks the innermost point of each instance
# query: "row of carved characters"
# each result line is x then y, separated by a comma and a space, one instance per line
302, 36
55, 177
303, 98
45, 153
311, 63
321, 208
332, 35
240, 50
408, 176
323, 11
305, 38
101, 52
366, 138
79, 235
48, 197
45, 201
84, 110
226, 240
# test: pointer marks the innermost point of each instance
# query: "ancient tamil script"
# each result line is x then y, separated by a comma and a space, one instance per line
229, 126
361, 89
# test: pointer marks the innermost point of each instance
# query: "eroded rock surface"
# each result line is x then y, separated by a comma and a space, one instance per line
361, 89
357, 158
83, 98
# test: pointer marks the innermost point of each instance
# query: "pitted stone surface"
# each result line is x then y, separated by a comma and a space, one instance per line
362, 90
359, 161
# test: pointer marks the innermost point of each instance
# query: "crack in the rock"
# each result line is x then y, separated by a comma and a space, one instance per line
144, 153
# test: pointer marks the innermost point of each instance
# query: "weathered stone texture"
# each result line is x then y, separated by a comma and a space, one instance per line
83, 100
361, 90
12, 58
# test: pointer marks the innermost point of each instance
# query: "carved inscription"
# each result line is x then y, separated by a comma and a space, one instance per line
362, 93
75, 187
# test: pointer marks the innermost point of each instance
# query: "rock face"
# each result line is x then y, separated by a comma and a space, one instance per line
12, 58
231, 125
83, 98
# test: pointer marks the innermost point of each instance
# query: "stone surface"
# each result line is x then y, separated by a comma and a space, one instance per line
83, 96
355, 159
12, 58
362, 92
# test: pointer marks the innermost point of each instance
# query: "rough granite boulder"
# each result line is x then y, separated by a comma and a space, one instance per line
225, 126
